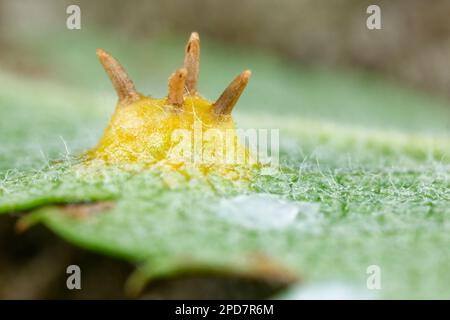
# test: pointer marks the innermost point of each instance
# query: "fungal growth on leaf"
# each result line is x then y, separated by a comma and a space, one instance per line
180, 130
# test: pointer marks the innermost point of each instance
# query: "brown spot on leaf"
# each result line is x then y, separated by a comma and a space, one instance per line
22, 225
84, 210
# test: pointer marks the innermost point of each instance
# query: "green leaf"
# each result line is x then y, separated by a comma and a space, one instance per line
372, 158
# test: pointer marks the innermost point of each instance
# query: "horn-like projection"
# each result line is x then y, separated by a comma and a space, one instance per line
226, 102
192, 63
142, 128
176, 87
121, 81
